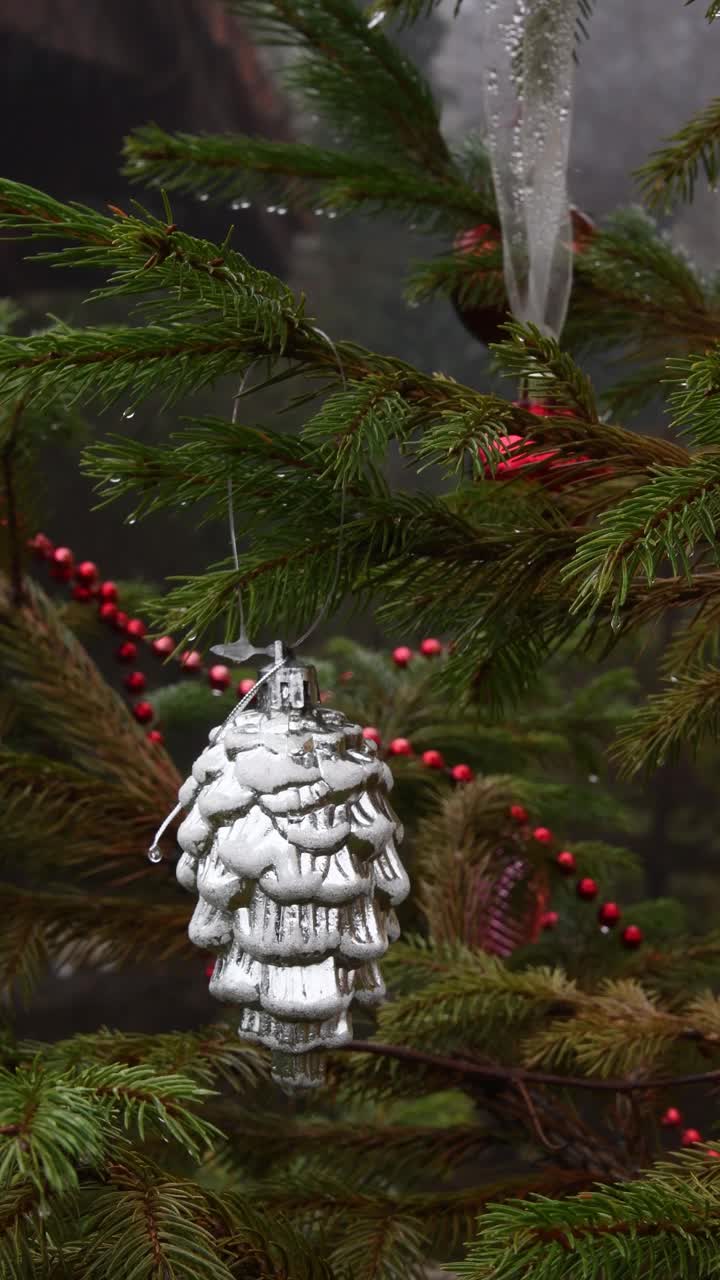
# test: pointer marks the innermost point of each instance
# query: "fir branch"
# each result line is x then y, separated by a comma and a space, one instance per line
684, 714
665, 1223
63, 695
551, 375
83, 929
671, 172
391, 110
232, 168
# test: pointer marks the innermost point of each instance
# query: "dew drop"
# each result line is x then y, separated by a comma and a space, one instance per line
131, 520
235, 204
154, 853
615, 624
281, 210
245, 204
332, 214
593, 777
128, 413
376, 19
318, 213
114, 480
271, 208
203, 197
604, 928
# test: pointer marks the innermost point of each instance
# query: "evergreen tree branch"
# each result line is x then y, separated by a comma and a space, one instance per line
686, 713
665, 1223
672, 171
84, 929
233, 168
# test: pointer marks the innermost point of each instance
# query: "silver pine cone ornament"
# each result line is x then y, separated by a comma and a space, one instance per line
290, 844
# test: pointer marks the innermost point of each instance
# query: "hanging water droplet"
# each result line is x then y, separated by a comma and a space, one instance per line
281, 210
203, 197
131, 520
128, 413
114, 480
271, 208
376, 19
235, 204
318, 212
674, 680
604, 928
245, 204
193, 635
593, 777
154, 853
332, 213
615, 623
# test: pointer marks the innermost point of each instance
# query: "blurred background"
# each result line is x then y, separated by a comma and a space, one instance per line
77, 75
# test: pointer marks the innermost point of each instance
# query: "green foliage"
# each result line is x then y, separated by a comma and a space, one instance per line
672, 171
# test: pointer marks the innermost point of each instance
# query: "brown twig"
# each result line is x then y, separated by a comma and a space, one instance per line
518, 1075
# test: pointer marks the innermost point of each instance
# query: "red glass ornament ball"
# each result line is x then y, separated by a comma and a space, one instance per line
219, 676
127, 652
689, 1136
135, 681
191, 660
462, 773
81, 594
632, 936
518, 813
108, 591
400, 747
543, 835
244, 686
86, 571
565, 861
670, 1118
154, 735
121, 620
609, 913
431, 647
143, 712
136, 627
41, 546
433, 760
107, 612
549, 919
371, 734
62, 555
586, 888
163, 646
402, 655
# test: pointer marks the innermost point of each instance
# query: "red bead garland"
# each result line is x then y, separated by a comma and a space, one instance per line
566, 863
400, 747
135, 681
86, 571
136, 627
143, 712
402, 655
430, 648
462, 773
163, 646
586, 889
690, 1136
108, 591
609, 914
433, 760
219, 677
371, 734
632, 936
543, 835
518, 813
670, 1118
127, 652
191, 660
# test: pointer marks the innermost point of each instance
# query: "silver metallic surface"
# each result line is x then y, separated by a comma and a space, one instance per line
289, 842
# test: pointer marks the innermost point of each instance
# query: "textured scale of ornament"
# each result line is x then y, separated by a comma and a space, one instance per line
290, 843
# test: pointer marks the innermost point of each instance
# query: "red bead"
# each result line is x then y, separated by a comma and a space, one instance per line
244, 686
209, 968
433, 760
586, 888
136, 627
108, 591
86, 571
609, 913
163, 646
632, 936
82, 594
121, 620
518, 813
462, 773
689, 1136
713, 1153
326, 695
565, 861
549, 919
154, 735
143, 712
430, 648
400, 747
62, 555
191, 660
543, 835
107, 612
219, 677
127, 652
402, 655
345, 676
41, 546
671, 1117
371, 734
135, 681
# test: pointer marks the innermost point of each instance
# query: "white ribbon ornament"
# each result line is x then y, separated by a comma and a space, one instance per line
526, 53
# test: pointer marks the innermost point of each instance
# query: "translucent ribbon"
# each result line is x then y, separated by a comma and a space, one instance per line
526, 56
